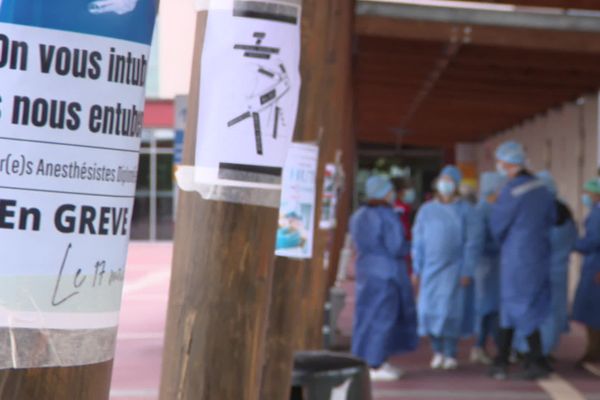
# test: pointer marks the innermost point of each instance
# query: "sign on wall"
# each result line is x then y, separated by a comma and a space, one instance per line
72, 76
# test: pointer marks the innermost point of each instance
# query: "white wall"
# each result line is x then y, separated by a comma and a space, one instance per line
176, 31
564, 141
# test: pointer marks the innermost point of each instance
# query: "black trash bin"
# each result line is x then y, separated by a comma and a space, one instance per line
323, 375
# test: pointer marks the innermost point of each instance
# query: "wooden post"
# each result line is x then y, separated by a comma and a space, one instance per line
348, 146
220, 288
335, 121
296, 281
89, 382
287, 316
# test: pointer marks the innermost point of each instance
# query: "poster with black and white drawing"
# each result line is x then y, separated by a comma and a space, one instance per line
249, 89
297, 211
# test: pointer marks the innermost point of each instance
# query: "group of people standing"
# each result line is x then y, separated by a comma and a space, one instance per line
497, 270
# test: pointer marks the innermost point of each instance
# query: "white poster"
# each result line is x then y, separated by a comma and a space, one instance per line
295, 233
249, 89
71, 113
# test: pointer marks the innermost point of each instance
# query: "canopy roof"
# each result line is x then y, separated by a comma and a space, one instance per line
433, 76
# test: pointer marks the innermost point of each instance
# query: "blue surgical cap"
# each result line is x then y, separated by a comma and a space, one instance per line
511, 152
452, 172
293, 215
378, 187
490, 183
546, 177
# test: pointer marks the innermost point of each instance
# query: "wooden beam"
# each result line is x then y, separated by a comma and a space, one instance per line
297, 300
513, 38
220, 287
86, 382
564, 4
479, 17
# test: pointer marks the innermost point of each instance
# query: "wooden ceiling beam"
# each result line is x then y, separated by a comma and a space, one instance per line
497, 36
564, 4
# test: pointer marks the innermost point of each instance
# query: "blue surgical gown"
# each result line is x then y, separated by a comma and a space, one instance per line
562, 241
447, 243
385, 314
586, 308
487, 270
521, 221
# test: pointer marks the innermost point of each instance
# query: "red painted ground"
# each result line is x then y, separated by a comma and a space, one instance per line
136, 373
139, 349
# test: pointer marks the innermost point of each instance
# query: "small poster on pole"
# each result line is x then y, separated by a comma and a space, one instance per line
297, 212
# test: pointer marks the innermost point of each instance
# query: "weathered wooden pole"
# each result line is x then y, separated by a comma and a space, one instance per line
334, 119
295, 281
220, 286
90, 382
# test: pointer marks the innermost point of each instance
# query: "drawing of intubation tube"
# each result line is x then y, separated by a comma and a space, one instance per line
266, 98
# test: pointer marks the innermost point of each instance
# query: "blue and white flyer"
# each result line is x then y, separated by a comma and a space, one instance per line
72, 78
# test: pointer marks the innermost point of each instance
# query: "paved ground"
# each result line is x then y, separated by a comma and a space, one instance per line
469, 381
137, 364
136, 373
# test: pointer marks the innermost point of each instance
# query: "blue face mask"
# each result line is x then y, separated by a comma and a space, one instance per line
446, 188
409, 196
501, 170
587, 201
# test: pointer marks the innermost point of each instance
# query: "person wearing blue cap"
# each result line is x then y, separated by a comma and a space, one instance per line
447, 242
385, 321
290, 234
586, 308
562, 241
487, 271
521, 221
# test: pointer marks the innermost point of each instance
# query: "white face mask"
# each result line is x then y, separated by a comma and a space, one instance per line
446, 188
409, 196
501, 170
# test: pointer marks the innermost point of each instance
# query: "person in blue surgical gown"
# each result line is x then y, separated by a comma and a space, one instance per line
487, 272
586, 308
385, 313
562, 241
447, 242
521, 221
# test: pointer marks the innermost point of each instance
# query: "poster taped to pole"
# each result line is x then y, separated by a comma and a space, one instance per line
72, 79
331, 189
248, 98
298, 202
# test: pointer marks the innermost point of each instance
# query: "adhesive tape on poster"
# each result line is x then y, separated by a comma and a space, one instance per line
205, 5
194, 179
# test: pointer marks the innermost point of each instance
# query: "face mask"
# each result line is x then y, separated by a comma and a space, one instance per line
501, 170
446, 188
409, 196
587, 201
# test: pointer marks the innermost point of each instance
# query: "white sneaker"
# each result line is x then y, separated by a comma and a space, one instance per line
438, 361
382, 375
479, 356
450, 364
395, 370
